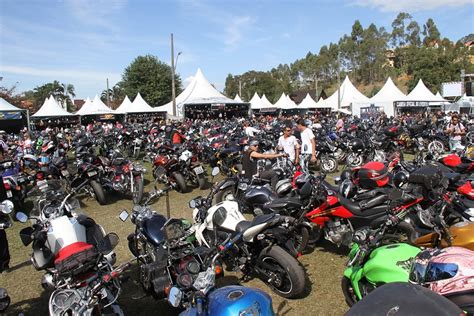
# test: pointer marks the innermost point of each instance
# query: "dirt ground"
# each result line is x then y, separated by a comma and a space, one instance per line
324, 266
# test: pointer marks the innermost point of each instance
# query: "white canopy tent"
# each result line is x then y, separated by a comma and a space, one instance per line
51, 108
199, 91
266, 103
7, 107
139, 105
237, 98
349, 96
308, 103
421, 93
256, 102
96, 107
383, 100
282, 102
125, 107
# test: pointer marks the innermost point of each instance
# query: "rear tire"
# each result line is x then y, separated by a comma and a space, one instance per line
201, 182
180, 182
290, 276
98, 192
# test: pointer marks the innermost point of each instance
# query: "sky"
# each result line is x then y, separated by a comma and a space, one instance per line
83, 42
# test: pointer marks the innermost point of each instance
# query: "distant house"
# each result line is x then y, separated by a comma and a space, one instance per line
390, 58
78, 103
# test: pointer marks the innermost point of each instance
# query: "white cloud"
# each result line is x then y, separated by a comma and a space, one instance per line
60, 73
96, 12
235, 29
411, 5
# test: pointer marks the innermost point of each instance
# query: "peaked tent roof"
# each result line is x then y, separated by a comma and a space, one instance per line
256, 102
237, 98
266, 104
96, 107
51, 108
7, 107
308, 102
421, 93
139, 105
348, 94
199, 91
282, 102
321, 104
125, 106
388, 93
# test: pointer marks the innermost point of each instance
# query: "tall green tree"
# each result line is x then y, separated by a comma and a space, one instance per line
63, 93
116, 95
150, 77
430, 32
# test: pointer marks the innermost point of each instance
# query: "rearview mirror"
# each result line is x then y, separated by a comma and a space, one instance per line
26, 235
108, 243
175, 296
215, 171
123, 215
192, 204
337, 180
21, 217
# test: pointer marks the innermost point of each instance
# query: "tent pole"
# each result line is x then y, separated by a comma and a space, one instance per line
28, 119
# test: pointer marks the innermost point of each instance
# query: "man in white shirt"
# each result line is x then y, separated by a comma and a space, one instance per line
249, 130
455, 130
290, 145
308, 145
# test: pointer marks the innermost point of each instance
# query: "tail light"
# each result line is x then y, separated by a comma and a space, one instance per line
126, 168
7, 186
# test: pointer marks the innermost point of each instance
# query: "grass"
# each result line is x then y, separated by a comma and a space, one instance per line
324, 266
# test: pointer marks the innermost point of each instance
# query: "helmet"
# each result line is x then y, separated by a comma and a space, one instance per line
444, 271
346, 175
254, 142
451, 160
372, 175
400, 179
356, 145
347, 189
283, 187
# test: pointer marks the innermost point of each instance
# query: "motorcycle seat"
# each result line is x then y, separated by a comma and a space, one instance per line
260, 219
453, 177
467, 202
357, 210
281, 204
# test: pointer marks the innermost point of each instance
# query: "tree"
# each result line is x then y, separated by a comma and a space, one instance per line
61, 92
116, 96
413, 30
430, 33
150, 77
399, 36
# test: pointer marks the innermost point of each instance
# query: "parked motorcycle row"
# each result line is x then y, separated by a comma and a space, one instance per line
406, 222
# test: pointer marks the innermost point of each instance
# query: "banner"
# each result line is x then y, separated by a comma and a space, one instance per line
10, 115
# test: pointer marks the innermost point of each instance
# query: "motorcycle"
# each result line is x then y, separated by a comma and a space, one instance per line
259, 248
192, 169
125, 176
166, 169
228, 300
167, 255
75, 253
6, 208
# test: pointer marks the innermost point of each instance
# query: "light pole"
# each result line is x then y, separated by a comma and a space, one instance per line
173, 69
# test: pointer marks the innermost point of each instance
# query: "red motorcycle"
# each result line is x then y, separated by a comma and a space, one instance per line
457, 164
166, 169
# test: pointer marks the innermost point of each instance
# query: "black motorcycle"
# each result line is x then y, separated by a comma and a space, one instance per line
165, 251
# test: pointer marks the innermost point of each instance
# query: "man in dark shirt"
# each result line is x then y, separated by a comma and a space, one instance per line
249, 163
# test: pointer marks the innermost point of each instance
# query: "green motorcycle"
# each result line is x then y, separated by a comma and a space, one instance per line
371, 265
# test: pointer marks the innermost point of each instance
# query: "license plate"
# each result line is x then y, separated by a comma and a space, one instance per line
420, 139
199, 170
92, 173
9, 194
65, 173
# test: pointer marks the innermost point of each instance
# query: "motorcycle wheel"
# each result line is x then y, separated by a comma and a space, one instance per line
137, 195
340, 155
436, 147
300, 239
226, 194
348, 291
379, 155
180, 182
354, 160
328, 164
286, 276
201, 182
98, 192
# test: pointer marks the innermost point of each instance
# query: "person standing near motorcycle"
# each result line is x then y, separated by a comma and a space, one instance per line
290, 145
308, 145
249, 163
249, 130
455, 131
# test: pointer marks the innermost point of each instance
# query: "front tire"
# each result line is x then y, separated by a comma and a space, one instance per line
281, 272
98, 192
201, 182
137, 195
348, 291
225, 194
328, 164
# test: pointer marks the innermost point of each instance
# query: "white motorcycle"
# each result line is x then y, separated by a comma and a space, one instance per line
74, 251
258, 243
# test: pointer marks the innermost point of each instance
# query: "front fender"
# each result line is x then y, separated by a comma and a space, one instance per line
355, 274
226, 184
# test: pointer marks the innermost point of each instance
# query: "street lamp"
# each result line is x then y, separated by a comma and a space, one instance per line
173, 69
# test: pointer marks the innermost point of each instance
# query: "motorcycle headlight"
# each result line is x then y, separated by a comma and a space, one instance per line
6, 207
